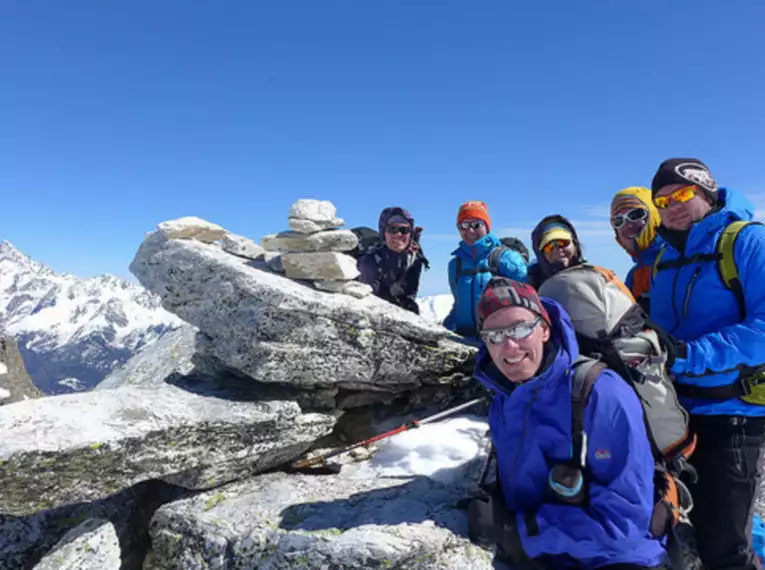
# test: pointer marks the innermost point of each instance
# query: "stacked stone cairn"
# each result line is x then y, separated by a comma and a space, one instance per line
314, 249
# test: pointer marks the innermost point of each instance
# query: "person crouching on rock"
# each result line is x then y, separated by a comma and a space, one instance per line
556, 247
393, 269
479, 256
548, 514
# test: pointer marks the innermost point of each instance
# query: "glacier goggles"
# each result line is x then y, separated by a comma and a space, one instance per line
516, 332
559, 243
681, 195
634, 215
474, 225
403, 230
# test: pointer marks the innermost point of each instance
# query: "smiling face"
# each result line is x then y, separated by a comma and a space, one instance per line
682, 215
472, 229
398, 236
516, 357
560, 251
629, 222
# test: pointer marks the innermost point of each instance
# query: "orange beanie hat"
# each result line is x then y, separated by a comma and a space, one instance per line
474, 210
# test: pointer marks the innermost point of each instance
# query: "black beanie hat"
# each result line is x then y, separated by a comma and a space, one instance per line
685, 171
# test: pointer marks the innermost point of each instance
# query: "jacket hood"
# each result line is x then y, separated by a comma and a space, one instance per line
647, 238
735, 205
536, 238
479, 249
388, 213
562, 339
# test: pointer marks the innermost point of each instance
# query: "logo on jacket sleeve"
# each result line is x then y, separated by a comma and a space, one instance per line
602, 454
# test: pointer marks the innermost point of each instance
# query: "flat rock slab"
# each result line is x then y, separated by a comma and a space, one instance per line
346, 521
275, 330
93, 545
191, 227
172, 355
331, 240
320, 265
241, 246
353, 288
310, 226
80, 447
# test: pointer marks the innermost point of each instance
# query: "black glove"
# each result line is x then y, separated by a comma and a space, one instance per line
676, 348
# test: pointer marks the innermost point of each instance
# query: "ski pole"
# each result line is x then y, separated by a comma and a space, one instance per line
322, 459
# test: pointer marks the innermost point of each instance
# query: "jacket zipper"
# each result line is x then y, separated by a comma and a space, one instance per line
523, 429
689, 290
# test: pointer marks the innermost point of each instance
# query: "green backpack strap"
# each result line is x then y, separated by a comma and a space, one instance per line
655, 268
726, 265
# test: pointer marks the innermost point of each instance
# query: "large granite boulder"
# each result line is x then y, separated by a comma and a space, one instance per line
92, 545
346, 521
172, 356
82, 447
25, 540
276, 330
15, 383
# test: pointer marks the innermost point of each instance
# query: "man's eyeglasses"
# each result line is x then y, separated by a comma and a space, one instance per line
559, 243
403, 230
516, 332
634, 215
476, 225
680, 196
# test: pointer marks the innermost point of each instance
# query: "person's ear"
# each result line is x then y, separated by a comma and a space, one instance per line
545, 332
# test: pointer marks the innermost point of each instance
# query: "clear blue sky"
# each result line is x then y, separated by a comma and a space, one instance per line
117, 115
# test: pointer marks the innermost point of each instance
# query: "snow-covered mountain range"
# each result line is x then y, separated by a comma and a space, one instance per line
71, 331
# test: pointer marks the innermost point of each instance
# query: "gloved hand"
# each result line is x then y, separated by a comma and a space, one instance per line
676, 348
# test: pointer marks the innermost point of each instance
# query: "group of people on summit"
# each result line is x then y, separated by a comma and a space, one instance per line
699, 277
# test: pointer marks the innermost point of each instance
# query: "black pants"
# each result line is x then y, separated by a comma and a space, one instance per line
728, 459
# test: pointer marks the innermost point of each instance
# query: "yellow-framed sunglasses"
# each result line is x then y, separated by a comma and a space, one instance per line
681, 195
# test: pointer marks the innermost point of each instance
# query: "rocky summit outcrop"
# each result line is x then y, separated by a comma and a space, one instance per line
276, 330
204, 423
87, 446
346, 521
15, 383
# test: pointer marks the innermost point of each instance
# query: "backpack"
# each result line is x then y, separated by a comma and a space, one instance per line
369, 239
726, 264
492, 261
613, 331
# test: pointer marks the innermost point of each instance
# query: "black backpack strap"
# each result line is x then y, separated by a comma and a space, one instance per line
586, 371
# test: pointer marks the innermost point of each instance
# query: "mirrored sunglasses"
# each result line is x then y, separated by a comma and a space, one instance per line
634, 215
403, 230
681, 195
476, 225
559, 243
518, 331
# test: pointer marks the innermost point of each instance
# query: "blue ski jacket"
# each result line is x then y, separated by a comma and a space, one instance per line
467, 287
692, 304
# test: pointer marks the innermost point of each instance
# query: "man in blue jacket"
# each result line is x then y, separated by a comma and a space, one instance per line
530, 348
719, 345
473, 265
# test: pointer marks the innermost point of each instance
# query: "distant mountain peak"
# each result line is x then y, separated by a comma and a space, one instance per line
71, 328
